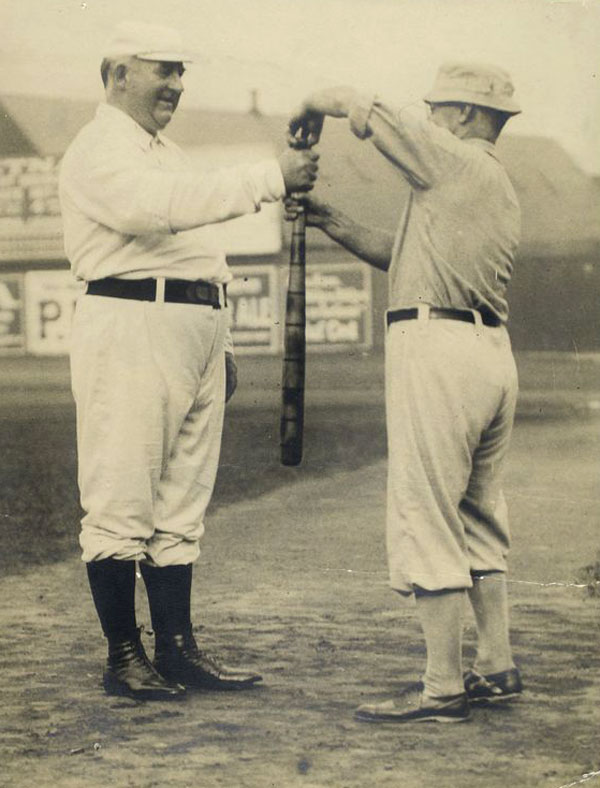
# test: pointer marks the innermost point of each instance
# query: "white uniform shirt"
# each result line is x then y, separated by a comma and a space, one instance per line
133, 207
456, 241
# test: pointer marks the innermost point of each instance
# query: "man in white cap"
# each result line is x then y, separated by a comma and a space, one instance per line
451, 382
151, 357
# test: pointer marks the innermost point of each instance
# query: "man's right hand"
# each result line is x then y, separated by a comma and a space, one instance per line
317, 212
299, 169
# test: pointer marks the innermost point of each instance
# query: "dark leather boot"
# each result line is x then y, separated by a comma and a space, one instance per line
179, 659
130, 673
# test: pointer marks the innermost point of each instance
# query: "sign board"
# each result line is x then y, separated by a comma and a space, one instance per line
338, 306
29, 187
12, 329
253, 301
338, 309
30, 223
258, 233
50, 298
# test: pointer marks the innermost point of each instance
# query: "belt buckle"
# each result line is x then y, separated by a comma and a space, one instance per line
200, 292
195, 293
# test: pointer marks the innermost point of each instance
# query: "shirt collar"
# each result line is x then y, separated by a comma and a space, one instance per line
119, 119
485, 145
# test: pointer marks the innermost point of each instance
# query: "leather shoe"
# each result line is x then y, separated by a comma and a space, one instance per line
130, 673
413, 706
493, 687
179, 659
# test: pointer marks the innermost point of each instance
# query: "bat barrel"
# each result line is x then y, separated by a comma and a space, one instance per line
294, 351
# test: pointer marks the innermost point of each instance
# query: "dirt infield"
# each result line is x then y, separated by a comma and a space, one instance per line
292, 582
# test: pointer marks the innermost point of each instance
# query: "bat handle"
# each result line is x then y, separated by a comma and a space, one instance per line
294, 351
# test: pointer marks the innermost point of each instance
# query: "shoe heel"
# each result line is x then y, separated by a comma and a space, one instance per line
113, 686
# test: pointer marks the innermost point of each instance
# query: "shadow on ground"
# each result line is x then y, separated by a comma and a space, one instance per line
38, 479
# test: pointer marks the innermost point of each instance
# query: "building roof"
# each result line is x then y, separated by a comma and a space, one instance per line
560, 202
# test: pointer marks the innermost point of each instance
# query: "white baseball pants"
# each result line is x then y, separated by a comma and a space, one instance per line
149, 384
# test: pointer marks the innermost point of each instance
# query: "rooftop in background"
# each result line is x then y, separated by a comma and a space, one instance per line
560, 202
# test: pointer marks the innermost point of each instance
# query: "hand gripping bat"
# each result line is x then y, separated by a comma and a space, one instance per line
294, 346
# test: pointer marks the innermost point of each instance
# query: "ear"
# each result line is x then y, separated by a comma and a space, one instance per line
467, 113
120, 72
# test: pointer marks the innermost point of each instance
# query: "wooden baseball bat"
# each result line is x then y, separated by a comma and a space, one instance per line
294, 347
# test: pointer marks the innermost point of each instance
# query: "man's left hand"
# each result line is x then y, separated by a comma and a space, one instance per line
230, 376
306, 124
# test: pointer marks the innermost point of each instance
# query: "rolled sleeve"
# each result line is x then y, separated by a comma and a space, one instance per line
421, 150
359, 116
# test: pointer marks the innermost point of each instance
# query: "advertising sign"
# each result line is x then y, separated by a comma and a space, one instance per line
50, 298
338, 306
253, 300
12, 334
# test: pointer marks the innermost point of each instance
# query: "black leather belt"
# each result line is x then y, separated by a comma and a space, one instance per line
443, 313
177, 291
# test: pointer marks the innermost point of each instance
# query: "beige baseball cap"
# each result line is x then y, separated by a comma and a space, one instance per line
146, 42
474, 83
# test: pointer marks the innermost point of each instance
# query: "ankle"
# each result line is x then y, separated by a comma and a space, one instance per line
183, 633
439, 684
444, 689
169, 595
117, 638
487, 667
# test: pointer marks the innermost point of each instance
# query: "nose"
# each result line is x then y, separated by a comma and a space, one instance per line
175, 82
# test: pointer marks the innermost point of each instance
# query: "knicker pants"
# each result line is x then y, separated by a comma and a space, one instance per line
451, 390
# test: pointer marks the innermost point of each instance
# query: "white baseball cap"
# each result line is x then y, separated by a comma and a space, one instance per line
146, 42
474, 83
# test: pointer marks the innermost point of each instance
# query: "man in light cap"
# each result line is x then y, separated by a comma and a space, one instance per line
451, 382
151, 356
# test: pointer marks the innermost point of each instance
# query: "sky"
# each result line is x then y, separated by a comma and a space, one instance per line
284, 49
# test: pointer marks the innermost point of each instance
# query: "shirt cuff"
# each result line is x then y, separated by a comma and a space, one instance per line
270, 177
359, 116
274, 178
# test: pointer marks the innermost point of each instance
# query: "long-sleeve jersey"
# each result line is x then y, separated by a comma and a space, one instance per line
133, 207
456, 241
